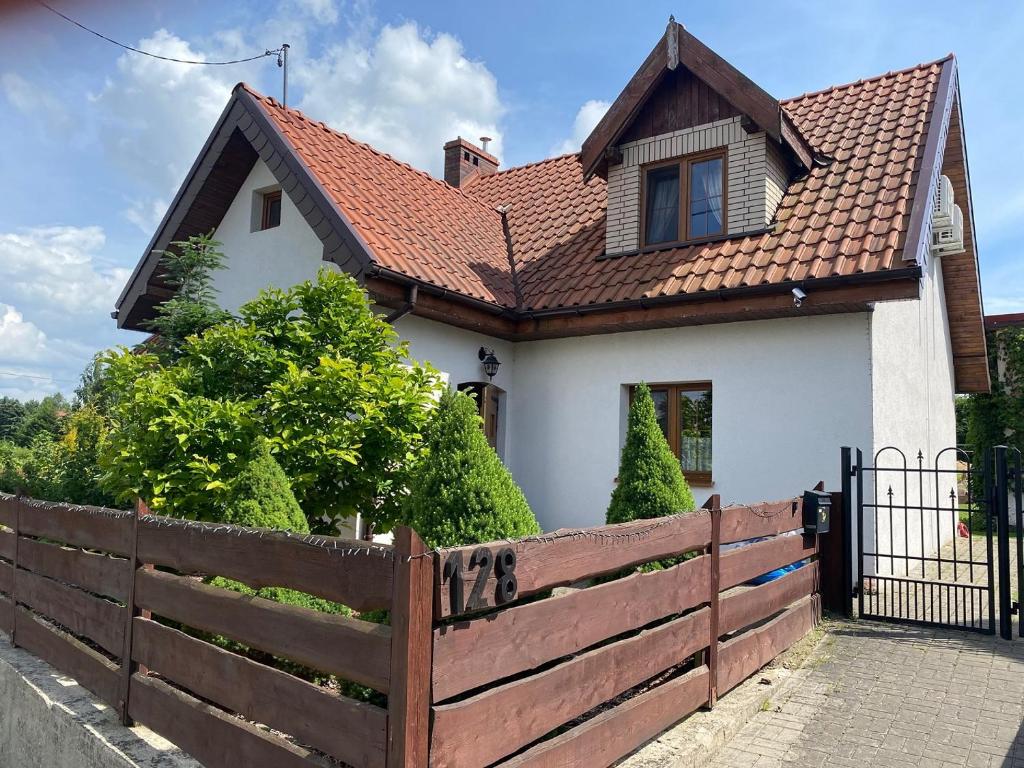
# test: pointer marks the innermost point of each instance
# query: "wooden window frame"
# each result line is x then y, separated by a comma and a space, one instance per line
268, 199
694, 478
684, 164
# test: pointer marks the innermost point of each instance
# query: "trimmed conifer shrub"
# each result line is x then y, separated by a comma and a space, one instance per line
262, 496
461, 492
651, 483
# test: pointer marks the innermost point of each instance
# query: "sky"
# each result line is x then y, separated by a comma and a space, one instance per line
96, 140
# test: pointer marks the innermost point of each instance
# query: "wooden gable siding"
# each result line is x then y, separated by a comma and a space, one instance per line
960, 277
680, 100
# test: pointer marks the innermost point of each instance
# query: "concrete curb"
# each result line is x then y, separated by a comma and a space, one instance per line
695, 741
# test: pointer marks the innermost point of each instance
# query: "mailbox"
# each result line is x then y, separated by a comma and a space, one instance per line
817, 511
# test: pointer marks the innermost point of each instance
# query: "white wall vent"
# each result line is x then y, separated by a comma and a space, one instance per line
949, 239
942, 210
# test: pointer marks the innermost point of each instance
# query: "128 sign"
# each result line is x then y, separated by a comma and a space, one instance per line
484, 562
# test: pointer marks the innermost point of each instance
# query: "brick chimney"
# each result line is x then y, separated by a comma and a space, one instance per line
463, 160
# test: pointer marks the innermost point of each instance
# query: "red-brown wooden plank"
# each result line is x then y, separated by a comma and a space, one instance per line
749, 606
81, 526
7, 545
741, 656
8, 513
6, 578
60, 650
740, 523
83, 614
493, 724
748, 562
535, 633
97, 573
6, 615
269, 559
353, 649
613, 734
214, 738
411, 653
561, 559
349, 730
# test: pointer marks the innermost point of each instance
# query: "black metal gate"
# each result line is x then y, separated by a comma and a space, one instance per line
925, 534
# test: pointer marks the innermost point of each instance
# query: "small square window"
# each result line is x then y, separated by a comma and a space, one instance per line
271, 216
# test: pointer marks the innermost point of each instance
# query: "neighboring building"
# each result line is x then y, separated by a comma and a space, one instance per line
994, 324
790, 275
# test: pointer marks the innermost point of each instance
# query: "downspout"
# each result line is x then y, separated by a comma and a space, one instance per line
405, 309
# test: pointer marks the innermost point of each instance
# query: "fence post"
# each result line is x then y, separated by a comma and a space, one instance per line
1001, 500
714, 504
128, 667
412, 611
847, 524
18, 504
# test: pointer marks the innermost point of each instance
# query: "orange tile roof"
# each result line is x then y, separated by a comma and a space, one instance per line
848, 217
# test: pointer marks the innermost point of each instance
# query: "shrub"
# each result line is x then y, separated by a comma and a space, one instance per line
651, 484
461, 493
263, 497
12, 462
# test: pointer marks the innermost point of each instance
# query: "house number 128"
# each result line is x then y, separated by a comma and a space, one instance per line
484, 561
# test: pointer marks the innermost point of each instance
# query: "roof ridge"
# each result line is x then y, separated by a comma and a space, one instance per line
531, 164
865, 80
303, 116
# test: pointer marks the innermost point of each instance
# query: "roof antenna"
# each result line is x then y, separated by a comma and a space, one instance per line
282, 62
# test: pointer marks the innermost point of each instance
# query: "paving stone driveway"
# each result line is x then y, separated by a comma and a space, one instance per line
881, 695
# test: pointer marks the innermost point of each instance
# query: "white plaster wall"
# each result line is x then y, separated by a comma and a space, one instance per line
281, 257
913, 393
787, 394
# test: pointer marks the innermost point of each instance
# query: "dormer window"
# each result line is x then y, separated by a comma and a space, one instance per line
684, 199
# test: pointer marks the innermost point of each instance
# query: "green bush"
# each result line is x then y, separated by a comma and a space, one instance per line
12, 462
11, 413
461, 493
651, 484
263, 497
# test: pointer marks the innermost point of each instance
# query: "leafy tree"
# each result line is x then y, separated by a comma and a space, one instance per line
12, 462
461, 493
188, 268
42, 418
997, 417
651, 484
313, 370
93, 388
11, 414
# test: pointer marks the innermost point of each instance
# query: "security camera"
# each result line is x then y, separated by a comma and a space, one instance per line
798, 297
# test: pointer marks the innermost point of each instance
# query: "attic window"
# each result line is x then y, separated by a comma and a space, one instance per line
684, 199
271, 215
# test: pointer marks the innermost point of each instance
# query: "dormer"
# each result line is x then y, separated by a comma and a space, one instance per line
692, 151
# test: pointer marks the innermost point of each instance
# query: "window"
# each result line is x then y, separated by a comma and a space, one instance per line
271, 216
684, 199
683, 412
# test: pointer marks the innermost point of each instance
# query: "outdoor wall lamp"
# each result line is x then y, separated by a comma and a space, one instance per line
489, 361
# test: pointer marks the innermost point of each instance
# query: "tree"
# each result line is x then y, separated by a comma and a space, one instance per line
313, 370
42, 418
188, 268
997, 417
263, 496
651, 484
461, 493
11, 413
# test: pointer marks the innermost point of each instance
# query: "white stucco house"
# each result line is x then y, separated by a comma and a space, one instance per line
790, 276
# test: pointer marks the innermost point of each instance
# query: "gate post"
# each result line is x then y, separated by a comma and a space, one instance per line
847, 528
1001, 501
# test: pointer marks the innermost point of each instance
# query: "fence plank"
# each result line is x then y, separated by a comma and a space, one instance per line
97, 573
613, 734
214, 738
345, 728
6, 578
741, 656
353, 649
746, 563
7, 544
409, 697
741, 609
8, 513
740, 523
99, 620
81, 526
563, 558
535, 633
72, 657
271, 559
6, 615
486, 727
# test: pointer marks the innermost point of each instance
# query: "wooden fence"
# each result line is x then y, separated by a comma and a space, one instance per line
480, 665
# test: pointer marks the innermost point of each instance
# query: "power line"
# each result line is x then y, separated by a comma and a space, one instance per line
15, 374
276, 52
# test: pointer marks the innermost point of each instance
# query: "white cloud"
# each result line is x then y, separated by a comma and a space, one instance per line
323, 11
20, 340
405, 92
31, 99
589, 115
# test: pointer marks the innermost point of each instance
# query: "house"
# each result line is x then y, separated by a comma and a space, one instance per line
791, 276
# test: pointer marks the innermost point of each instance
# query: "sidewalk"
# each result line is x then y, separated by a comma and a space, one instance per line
892, 696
